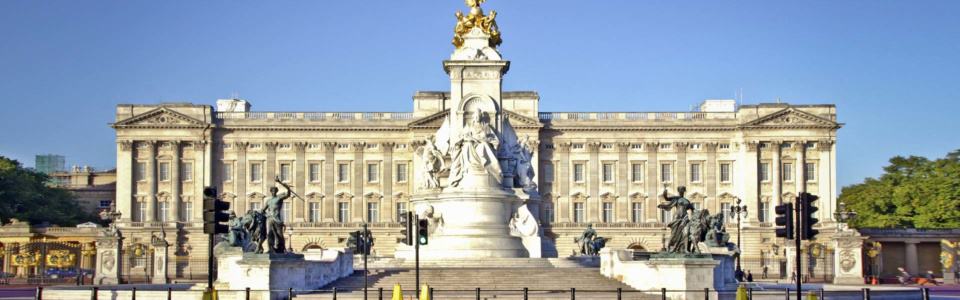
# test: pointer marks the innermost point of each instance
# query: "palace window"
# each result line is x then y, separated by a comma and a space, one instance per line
547, 172
607, 172
373, 214
578, 172
401, 210
343, 146
666, 146
256, 172
187, 212
255, 205
164, 214
402, 172
577, 146
140, 171
811, 145
764, 171
636, 214
607, 212
724, 146
373, 172
578, 212
810, 171
666, 172
164, 171
343, 212
728, 216
636, 146
786, 145
665, 216
548, 213
141, 211
763, 211
343, 172
636, 172
314, 172
285, 211
787, 172
695, 172
285, 172
725, 172
227, 171
606, 146
314, 212
695, 146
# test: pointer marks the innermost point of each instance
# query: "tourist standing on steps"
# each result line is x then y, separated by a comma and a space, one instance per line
749, 276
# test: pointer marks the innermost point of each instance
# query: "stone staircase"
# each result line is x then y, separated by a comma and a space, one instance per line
495, 282
398, 263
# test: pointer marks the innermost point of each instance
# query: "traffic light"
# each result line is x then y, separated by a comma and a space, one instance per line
366, 242
422, 229
807, 213
354, 241
214, 212
406, 232
785, 219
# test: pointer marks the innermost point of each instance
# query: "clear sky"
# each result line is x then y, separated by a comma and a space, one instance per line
891, 67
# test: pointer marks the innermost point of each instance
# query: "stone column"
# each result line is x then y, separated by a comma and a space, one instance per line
680, 178
388, 177
329, 181
652, 181
125, 180
151, 181
826, 181
358, 207
160, 261
623, 183
270, 166
593, 183
910, 256
300, 179
175, 183
751, 195
564, 207
710, 177
776, 179
109, 260
801, 180
240, 181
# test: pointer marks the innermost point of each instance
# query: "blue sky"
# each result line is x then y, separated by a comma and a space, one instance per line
891, 67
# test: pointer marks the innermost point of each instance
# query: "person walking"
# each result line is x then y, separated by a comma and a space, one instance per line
749, 276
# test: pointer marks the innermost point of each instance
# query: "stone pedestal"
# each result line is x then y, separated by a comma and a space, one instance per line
109, 261
160, 255
270, 275
848, 263
687, 276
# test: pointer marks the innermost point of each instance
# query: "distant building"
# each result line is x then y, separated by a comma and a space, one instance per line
49, 163
94, 190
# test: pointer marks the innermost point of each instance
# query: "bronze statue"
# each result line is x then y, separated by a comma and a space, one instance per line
585, 240
475, 18
254, 223
237, 236
679, 240
272, 210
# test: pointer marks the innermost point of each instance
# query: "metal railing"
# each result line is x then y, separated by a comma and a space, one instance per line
316, 116
635, 116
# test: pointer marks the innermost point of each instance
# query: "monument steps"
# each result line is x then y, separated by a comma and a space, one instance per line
494, 282
397, 263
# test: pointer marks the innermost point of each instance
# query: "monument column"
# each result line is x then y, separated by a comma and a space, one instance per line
776, 179
652, 181
175, 184
358, 199
300, 177
329, 181
151, 181
910, 256
710, 177
623, 184
388, 177
681, 176
126, 182
240, 181
563, 209
593, 181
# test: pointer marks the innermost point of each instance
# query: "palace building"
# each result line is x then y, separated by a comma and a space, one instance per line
607, 169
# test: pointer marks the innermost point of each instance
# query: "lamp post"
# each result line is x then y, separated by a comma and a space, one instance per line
289, 239
843, 216
737, 210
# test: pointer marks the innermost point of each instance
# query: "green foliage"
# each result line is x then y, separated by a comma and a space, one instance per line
914, 192
24, 195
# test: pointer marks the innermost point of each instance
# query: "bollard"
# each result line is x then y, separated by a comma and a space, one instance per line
170, 293
619, 293
478, 293
573, 293
246, 294
866, 294
290, 293
663, 293
334, 293
750, 293
525, 296
706, 293
823, 294
925, 293
39, 293
133, 293
95, 291
786, 294
430, 293
380, 293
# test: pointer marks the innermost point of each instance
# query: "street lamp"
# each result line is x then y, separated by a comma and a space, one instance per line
843, 215
738, 210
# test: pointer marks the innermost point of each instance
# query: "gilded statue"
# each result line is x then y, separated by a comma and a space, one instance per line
475, 18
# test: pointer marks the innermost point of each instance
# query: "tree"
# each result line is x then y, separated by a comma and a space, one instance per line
913, 192
24, 195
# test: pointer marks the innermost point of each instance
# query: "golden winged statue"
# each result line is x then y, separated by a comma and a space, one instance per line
476, 18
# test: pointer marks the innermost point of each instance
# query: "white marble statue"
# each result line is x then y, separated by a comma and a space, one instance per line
474, 150
432, 160
523, 223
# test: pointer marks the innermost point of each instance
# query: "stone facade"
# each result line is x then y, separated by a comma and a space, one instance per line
93, 190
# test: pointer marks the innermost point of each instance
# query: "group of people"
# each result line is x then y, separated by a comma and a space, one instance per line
905, 278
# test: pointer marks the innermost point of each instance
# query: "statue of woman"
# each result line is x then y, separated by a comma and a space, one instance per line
475, 150
679, 241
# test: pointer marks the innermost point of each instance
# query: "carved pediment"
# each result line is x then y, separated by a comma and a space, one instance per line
792, 117
521, 121
436, 120
431, 121
161, 117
